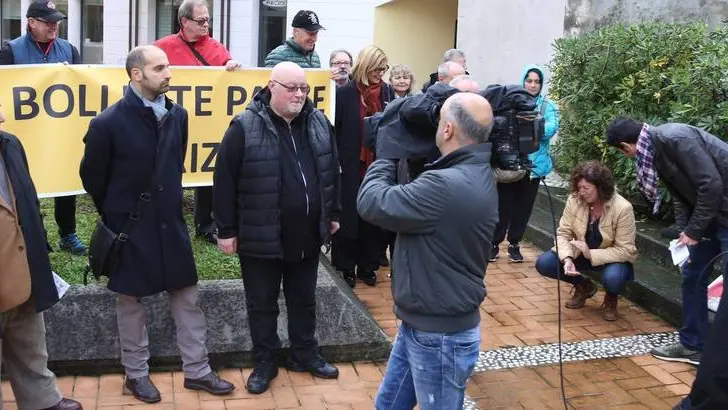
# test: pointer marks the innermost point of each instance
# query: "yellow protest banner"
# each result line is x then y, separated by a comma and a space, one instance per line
48, 107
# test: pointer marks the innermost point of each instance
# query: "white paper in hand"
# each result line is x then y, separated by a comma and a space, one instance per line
61, 285
679, 252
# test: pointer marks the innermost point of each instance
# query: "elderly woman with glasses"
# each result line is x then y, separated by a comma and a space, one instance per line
596, 232
356, 247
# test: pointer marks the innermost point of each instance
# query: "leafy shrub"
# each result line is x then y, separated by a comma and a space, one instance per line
653, 72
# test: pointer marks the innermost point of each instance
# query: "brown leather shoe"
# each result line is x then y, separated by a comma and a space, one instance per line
609, 307
66, 404
143, 389
581, 293
211, 383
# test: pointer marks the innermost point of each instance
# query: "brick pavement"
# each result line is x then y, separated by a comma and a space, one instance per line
641, 382
520, 310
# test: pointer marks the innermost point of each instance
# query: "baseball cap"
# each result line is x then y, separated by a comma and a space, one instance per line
307, 20
44, 9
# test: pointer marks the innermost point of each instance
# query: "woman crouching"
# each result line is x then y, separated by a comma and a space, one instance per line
596, 232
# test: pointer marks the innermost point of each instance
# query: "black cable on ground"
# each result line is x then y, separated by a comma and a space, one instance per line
558, 294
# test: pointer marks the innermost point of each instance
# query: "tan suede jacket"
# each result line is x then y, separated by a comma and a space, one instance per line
617, 227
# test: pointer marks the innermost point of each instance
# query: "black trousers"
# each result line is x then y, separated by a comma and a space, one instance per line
388, 239
710, 388
204, 221
262, 279
65, 214
515, 204
361, 253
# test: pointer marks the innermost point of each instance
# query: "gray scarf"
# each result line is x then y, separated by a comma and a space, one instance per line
158, 105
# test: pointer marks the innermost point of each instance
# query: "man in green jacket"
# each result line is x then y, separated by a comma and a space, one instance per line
299, 49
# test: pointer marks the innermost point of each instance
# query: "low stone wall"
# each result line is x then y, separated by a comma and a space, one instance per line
82, 333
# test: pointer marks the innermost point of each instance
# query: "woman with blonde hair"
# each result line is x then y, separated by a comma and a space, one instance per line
356, 246
402, 80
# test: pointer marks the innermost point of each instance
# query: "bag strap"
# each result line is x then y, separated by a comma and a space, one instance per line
195, 52
145, 198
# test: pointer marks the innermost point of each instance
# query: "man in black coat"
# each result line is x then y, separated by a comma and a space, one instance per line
693, 165
276, 201
117, 167
27, 287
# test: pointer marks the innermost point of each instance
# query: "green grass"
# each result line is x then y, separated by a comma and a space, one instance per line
211, 263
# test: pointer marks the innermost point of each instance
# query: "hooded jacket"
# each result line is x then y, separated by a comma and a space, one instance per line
541, 159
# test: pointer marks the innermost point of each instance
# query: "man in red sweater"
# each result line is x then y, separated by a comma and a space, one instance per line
194, 46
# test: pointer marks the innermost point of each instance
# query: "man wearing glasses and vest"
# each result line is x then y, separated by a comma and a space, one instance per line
193, 46
41, 44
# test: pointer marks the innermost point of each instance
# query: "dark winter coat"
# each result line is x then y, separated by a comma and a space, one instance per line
43, 287
694, 166
117, 167
349, 130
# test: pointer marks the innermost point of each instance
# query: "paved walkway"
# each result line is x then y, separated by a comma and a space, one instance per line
606, 364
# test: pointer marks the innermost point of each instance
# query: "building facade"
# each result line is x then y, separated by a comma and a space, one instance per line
105, 30
498, 37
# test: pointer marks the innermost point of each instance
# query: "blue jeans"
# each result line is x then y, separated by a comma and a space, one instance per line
429, 369
695, 286
613, 275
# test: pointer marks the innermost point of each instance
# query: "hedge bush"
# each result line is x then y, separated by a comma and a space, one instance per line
654, 72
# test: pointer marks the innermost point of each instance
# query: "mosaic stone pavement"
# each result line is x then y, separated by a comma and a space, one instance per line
606, 364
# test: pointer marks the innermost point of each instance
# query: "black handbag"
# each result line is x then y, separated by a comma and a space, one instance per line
104, 250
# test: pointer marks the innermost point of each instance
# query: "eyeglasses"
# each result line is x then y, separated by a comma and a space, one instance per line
338, 63
201, 21
46, 22
305, 88
381, 69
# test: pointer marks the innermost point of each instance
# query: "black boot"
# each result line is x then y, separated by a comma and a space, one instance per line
682, 216
368, 277
143, 389
263, 374
349, 277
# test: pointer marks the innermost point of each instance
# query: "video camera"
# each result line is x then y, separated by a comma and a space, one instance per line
517, 128
407, 128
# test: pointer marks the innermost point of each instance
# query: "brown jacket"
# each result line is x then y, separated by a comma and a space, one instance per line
14, 269
617, 227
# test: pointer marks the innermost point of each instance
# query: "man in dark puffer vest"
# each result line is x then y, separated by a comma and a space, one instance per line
276, 201
41, 45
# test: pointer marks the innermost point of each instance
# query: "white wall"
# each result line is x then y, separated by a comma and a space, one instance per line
500, 37
116, 31
349, 24
243, 44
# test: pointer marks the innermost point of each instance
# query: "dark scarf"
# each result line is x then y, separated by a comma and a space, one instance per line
369, 104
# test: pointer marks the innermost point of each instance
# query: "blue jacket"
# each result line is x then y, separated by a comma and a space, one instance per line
541, 159
26, 51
